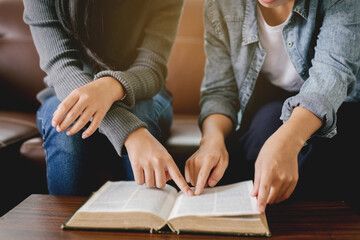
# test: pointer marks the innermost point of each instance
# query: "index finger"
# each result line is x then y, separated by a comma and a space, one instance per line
63, 108
264, 190
179, 180
203, 176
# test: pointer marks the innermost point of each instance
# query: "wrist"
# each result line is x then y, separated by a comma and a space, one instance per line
116, 89
301, 125
135, 136
214, 138
288, 136
215, 128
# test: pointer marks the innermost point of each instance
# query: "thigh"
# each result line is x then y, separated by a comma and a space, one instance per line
72, 163
264, 123
65, 155
328, 168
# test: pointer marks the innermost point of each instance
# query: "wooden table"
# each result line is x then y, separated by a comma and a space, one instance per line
40, 217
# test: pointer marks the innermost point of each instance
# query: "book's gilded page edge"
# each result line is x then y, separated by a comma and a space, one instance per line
67, 227
64, 225
147, 230
264, 220
266, 234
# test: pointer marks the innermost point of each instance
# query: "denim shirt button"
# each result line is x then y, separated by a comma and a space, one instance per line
290, 44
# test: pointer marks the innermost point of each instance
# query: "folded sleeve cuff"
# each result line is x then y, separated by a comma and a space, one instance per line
217, 106
319, 106
129, 101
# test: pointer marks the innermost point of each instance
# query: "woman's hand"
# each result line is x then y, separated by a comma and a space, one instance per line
89, 102
151, 163
211, 156
276, 168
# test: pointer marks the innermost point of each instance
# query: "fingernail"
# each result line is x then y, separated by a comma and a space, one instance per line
54, 123
68, 133
212, 183
197, 192
58, 129
84, 135
190, 193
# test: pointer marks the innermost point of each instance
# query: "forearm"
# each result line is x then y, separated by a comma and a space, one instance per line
216, 127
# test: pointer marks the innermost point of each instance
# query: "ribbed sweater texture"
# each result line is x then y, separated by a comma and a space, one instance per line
149, 32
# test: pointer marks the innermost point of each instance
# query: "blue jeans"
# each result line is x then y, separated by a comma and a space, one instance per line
77, 166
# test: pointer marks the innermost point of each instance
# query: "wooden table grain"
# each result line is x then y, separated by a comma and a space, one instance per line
40, 217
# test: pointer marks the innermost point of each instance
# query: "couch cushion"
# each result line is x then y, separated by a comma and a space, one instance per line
32, 150
16, 127
185, 135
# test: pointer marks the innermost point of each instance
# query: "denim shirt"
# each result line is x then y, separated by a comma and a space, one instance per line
321, 38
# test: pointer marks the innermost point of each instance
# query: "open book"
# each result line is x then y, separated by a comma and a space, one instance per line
125, 205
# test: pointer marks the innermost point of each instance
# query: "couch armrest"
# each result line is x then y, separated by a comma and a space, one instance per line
16, 127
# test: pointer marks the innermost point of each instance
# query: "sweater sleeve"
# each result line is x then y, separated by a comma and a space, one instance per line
59, 58
61, 61
147, 75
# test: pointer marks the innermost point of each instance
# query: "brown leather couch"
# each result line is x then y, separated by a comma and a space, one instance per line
20, 80
21, 155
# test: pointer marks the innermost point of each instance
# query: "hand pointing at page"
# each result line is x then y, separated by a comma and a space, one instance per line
151, 163
207, 165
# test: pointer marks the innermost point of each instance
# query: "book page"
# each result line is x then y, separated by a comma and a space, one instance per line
126, 196
230, 200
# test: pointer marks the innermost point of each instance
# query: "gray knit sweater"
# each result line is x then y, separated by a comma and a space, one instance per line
141, 43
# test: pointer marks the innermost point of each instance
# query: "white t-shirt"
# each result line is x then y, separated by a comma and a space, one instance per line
277, 66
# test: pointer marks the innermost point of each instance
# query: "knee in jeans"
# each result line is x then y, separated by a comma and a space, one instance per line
45, 113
